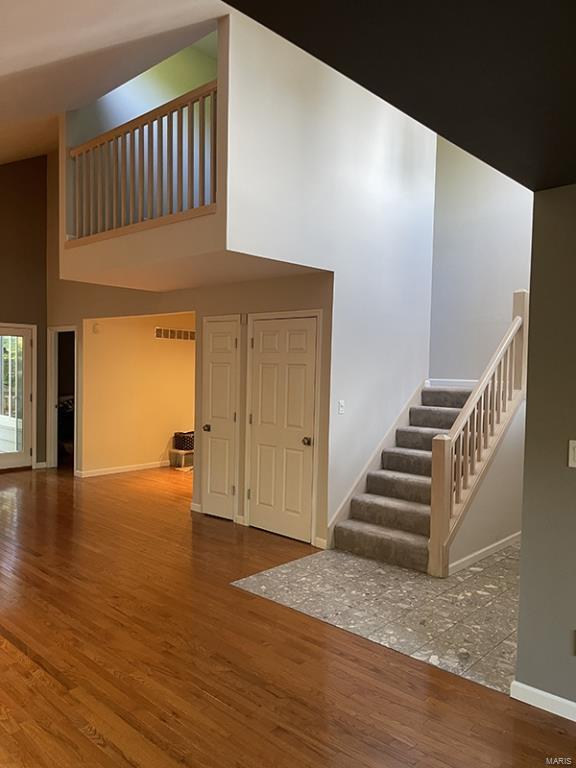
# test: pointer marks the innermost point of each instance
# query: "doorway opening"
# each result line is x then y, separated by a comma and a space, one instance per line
137, 391
66, 398
62, 399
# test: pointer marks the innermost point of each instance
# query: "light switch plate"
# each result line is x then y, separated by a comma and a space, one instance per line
572, 453
341, 410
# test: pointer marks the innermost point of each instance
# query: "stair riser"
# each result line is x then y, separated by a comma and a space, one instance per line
414, 465
441, 418
402, 520
382, 549
408, 439
445, 398
398, 488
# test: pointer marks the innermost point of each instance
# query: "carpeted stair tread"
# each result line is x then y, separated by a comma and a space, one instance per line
408, 550
400, 485
411, 460
389, 512
453, 397
433, 416
391, 520
419, 438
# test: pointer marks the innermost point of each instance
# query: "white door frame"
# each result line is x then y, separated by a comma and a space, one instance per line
288, 315
200, 422
52, 393
33, 384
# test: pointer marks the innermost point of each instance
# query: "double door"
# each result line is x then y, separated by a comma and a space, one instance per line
277, 464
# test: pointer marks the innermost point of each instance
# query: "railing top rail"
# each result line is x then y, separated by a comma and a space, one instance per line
163, 109
478, 390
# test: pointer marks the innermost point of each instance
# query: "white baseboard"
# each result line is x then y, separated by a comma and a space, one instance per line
458, 383
117, 470
40, 465
374, 462
320, 543
543, 700
195, 507
459, 565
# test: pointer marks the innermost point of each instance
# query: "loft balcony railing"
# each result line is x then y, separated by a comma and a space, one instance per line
155, 169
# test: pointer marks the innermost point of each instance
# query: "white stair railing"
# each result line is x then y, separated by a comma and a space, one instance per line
460, 458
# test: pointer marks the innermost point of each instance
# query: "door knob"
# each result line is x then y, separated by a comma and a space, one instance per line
207, 428
306, 441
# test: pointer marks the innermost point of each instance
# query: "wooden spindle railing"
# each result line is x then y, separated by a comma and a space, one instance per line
161, 165
460, 458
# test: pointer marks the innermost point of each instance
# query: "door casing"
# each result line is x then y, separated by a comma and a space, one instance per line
315, 313
31, 394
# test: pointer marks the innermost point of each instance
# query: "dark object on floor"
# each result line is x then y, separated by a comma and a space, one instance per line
184, 441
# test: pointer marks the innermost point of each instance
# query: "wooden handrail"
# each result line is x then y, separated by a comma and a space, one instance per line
159, 167
153, 114
461, 457
478, 390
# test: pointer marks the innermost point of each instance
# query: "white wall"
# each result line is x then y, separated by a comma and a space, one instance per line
496, 511
325, 174
482, 250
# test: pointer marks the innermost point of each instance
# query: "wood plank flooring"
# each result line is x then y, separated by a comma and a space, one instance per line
122, 644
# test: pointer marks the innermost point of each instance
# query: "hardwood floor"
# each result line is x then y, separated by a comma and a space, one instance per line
122, 643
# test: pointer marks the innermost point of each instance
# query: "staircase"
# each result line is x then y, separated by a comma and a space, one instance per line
391, 521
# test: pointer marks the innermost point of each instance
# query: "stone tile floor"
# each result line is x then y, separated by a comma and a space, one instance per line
465, 624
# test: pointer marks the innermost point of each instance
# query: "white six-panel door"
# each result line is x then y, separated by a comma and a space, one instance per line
220, 372
281, 425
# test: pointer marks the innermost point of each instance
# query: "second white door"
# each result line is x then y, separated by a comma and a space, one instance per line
281, 423
219, 415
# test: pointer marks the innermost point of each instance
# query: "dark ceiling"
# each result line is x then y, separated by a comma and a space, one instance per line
497, 79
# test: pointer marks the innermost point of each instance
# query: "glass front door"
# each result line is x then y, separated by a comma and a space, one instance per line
15, 397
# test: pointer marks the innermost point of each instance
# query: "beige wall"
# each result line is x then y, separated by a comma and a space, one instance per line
22, 274
546, 635
137, 390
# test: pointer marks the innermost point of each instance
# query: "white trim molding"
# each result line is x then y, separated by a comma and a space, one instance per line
543, 700
118, 470
457, 383
459, 565
40, 465
196, 507
320, 543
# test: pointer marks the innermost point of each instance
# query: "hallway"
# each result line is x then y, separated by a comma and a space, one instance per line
123, 643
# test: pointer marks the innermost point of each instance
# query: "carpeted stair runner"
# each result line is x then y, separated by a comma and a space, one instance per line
391, 521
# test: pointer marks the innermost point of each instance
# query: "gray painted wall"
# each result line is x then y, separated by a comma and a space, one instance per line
482, 248
22, 254
546, 653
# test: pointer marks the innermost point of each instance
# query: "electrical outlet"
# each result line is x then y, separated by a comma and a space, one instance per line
572, 453
341, 411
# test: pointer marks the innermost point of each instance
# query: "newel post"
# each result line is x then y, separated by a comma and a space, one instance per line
520, 309
440, 505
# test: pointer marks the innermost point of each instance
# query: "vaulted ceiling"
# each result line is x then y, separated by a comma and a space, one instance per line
62, 54
496, 78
